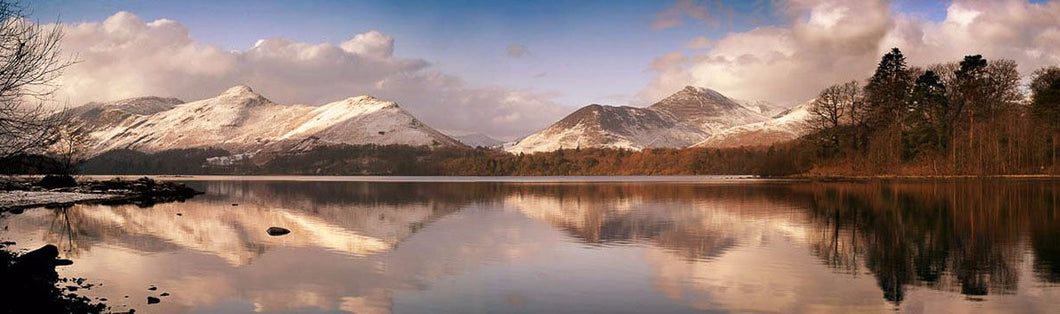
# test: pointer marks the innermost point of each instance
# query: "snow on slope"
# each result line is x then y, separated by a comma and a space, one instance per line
479, 140
242, 121
682, 119
787, 125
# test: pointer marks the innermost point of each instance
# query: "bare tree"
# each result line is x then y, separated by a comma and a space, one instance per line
836, 106
70, 149
30, 60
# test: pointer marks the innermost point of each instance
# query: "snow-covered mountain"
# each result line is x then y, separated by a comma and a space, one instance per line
687, 117
242, 121
764, 107
785, 126
478, 140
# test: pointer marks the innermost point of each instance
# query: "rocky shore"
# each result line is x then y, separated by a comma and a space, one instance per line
57, 191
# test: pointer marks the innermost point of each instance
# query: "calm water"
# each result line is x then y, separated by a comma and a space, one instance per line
646, 247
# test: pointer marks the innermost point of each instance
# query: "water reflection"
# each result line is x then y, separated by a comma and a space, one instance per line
546, 247
966, 237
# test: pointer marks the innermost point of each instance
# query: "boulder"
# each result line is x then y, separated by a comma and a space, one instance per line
277, 231
53, 181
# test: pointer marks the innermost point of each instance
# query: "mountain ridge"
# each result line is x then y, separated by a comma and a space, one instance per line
684, 118
242, 121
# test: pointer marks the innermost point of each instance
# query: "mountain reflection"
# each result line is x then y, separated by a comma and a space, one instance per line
760, 246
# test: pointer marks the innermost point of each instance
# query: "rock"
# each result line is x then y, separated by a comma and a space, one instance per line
277, 231
57, 181
152, 288
63, 262
234, 204
164, 294
153, 300
179, 214
42, 257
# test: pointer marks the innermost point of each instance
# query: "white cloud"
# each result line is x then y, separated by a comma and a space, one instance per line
125, 56
830, 41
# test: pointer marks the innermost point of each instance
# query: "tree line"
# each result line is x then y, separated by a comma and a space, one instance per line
969, 118
424, 161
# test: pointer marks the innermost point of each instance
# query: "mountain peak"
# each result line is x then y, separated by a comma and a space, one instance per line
368, 101
696, 101
242, 95
700, 91
362, 98
238, 90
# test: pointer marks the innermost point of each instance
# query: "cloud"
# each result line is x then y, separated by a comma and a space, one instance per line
517, 51
698, 42
125, 56
676, 14
830, 41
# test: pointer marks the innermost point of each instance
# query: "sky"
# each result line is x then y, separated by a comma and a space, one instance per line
508, 68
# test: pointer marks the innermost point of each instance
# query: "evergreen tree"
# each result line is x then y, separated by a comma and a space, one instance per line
887, 90
1045, 104
927, 121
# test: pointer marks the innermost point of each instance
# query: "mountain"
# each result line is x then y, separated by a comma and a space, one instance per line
479, 140
244, 122
764, 107
687, 117
785, 126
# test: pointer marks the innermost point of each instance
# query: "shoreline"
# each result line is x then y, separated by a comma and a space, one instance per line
14, 201
18, 195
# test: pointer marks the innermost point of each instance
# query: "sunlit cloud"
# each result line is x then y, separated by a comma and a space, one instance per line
125, 56
825, 42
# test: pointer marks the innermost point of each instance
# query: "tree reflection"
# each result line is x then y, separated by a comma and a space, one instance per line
961, 236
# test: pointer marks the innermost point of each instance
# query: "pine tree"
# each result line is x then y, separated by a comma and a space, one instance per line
886, 96
1045, 104
929, 107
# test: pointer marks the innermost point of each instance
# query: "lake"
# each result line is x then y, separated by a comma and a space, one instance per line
657, 245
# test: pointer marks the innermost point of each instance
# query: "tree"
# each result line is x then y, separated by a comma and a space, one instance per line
888, 89
71, 149
970, 78
834, 107
929, 107
1045, 104
30, 60
886, 95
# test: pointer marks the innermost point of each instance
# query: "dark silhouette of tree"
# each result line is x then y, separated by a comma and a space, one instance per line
928, 126
886, 95
1045, 105
888, 89
30, 60
834, 107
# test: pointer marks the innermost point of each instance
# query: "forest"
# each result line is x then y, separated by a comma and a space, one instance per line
972, 117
